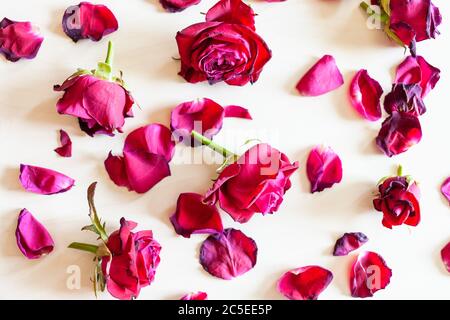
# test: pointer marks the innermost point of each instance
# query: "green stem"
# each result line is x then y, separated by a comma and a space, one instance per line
110, 54
400, 170
365, 6
84, 247
212, 145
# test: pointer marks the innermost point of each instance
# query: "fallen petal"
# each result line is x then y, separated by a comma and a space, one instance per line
228, 254
445, 189
324, 168
195, 296
322, 78
44, 181
232, 11
445, 255
32, 237
405, 98
177, 5
66, 145
365, 94
349, 242
237, 112
305, 283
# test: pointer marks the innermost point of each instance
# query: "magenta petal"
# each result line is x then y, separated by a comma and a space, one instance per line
305, 283
398, 133
232, 11
178, 5
445, 255
32, 237
228, 254
44, 181
445, 189
365, 94
195, 296
349, 242
323, 77
369, 274
19, 40
66, 145
324, 168
237, 112
194, 216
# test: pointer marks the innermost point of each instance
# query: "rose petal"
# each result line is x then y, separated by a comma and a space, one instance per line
195, 296
369, 274
88, 21
66, 145
228, 254
32, 237
445, 189
416, 70
324, 168
365, 94
177, 5
193, 216
322, 78
115, 166
232, 11
445, 255
19, 40
405, 98
44, 181
398, 133
237, 112
305, 283
349, 242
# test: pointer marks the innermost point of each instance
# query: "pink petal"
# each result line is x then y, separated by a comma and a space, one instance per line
365, 94
369, 274
305, 283
324, 168
194, 216
44, 181
32, 237
349, 242
416, 70
195, 296
89, 21
445, 255
237, 112
66, 145
445, 189
178, 5
232, 11
228, 254
19, 40
322, 78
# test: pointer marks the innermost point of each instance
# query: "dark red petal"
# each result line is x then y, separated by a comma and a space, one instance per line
406, 98
115, 166
369, 274
178, 5
66, 145
445, 189
349, 242
232, 11
305, 283
365, 94
322, 78
195, 296
398, 133
324, 168
193, 216
445, 255
44, 181
237, 112
228, 254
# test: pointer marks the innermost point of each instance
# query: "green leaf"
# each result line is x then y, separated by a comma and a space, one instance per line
92, 248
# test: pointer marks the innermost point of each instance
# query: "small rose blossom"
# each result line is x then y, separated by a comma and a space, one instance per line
406, 98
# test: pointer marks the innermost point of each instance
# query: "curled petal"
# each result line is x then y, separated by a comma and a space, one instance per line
194, 216
305, 283
369, 274
405, 98
323, 77
416, 70
445, 255
88, 21
195, 296
178, 5
445, 189
115, 166
349, 242
237, 112
365, 94
66, 145
324, 168
19, 40
228, 254
44, 181
398, 133
32, 237
232, 11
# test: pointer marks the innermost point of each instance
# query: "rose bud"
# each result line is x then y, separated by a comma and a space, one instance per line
32, 237
177, 5
405, 98
200, 295
99, 101
398, 133
19, 40
365, 93
305, 283
221, 51
88, 21
398, 200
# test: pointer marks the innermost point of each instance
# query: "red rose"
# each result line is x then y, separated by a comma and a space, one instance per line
135, 257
